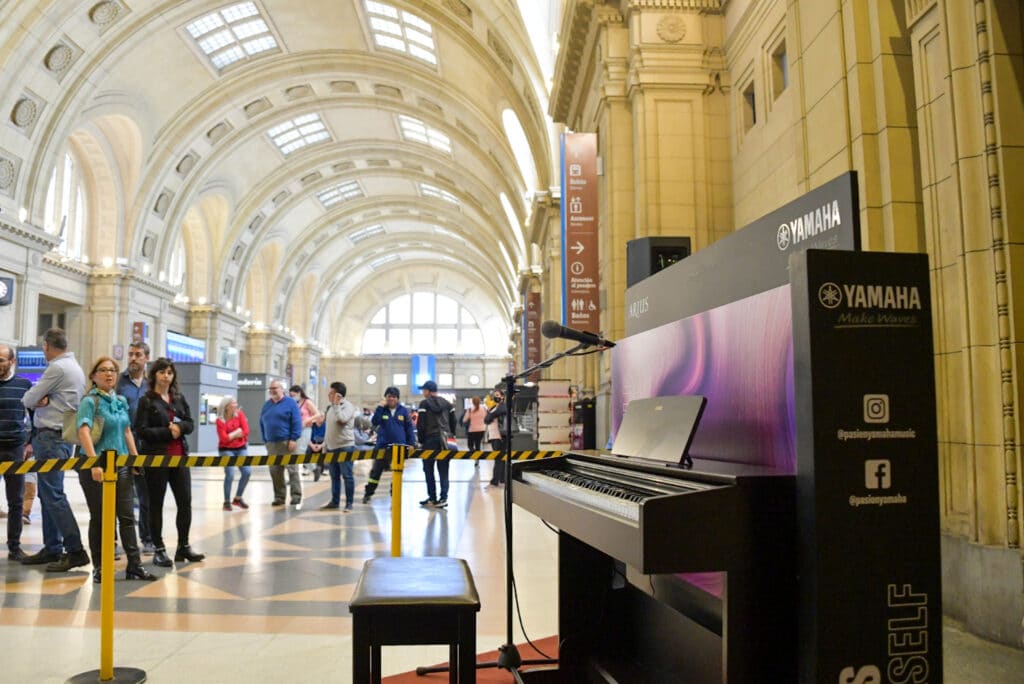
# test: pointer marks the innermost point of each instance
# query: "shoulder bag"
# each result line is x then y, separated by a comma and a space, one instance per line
69, 429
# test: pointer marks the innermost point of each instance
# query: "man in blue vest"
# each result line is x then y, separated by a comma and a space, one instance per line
393, 423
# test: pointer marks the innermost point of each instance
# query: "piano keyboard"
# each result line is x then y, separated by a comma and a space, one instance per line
601, 489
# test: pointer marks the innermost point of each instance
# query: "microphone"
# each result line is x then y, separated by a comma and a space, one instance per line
553, 330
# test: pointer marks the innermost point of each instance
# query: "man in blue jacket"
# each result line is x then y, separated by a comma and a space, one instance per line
281, 425
393, 423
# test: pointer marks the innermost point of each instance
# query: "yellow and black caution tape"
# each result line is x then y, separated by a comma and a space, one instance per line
85, 462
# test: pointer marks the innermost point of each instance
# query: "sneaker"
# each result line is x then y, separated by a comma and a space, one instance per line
40, 557
348, 508
297, 505
240, 502
366, 498
427, 502
26, 519
441, 503
147, 547
277, 503
69, 561
16, 555
330, 507
226, 506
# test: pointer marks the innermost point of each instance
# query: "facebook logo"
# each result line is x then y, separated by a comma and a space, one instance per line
877, 474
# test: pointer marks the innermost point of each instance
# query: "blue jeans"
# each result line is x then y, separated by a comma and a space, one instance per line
229, 473
60, 529
337, 472
15, 486
436, 444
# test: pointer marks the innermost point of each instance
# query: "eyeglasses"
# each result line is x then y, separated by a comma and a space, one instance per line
106, 370
275, 389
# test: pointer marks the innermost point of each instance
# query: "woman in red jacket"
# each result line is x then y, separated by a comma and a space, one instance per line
233, 433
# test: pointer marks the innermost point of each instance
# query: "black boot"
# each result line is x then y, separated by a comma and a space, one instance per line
160, 558
138, 572
185, 553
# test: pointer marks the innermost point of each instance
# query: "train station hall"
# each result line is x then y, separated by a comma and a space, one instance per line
620, 341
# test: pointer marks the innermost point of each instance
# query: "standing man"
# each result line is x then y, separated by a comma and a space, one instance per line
340, 419
60, 389
394, 426
13, 434
131, 385
435, 415
281, 425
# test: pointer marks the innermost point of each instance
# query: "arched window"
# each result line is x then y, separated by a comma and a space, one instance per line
176, 269
65, 208
423, 323
520, 148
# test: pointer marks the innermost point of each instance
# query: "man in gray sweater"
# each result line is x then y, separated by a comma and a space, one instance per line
59, 390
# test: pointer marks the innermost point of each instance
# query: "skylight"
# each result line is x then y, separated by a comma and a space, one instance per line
433, 191
339, 193
231, 34
365, 233
402, 31
296, 133
377, 263
449, 233
414, 129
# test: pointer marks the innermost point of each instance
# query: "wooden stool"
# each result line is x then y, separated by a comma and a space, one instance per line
403, 601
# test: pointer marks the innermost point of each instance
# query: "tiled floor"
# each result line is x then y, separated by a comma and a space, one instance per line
270, 602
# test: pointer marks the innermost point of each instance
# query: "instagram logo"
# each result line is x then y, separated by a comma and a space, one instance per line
876, 408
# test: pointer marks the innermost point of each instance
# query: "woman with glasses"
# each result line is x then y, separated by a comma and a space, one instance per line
162, 420
101, 402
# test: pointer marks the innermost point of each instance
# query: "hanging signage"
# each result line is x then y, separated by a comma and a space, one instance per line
531, 332
580, 279
424, 367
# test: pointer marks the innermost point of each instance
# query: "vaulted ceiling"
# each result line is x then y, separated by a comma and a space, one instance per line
314, 157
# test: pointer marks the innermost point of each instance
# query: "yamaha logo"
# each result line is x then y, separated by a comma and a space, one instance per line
782, 237
901, 297
830, 295
811, 224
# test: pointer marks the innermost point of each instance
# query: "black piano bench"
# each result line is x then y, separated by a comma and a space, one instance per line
404, 601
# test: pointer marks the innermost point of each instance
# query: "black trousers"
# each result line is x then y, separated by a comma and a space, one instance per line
180, 481
123, 509
499, 464
15, 486
474, 440
376, 470
142, 494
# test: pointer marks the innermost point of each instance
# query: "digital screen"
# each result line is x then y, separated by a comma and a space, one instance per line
31, 363
739, 356
185, 349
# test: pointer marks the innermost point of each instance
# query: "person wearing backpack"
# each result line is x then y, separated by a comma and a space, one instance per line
436, 421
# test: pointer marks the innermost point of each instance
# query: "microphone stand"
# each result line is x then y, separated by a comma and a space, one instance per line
508, 655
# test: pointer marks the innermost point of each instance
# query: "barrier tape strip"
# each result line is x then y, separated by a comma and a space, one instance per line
85, 462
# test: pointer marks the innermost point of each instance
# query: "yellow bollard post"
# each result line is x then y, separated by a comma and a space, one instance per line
107, 671
397, 466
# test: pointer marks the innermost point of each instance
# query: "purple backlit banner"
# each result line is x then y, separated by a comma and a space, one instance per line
739, 356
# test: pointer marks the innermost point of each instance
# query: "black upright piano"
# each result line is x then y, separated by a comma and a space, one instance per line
655, 556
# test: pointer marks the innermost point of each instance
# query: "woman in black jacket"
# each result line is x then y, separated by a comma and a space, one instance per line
162, 420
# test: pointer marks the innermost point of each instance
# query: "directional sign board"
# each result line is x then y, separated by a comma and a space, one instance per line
580, 280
